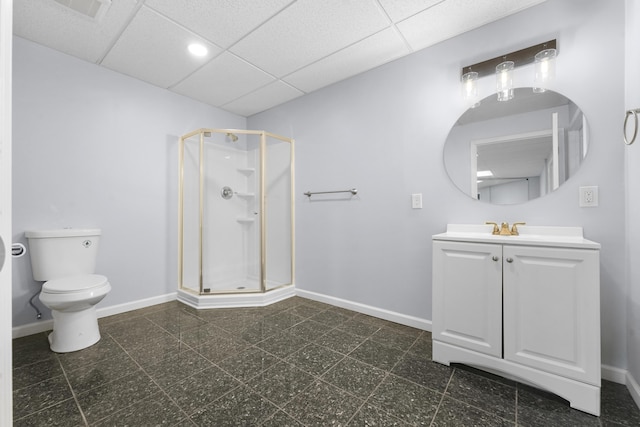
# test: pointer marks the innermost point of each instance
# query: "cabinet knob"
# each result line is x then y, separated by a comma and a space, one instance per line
509, 259
495, 258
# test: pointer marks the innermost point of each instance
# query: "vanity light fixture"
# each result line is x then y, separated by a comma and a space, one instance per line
502, 67
504, 80
544, 69
198, 49
470, 89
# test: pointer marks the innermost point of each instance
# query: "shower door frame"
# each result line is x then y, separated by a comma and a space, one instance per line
263, 217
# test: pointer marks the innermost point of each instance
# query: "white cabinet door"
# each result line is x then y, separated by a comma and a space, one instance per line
552, 310
467, 295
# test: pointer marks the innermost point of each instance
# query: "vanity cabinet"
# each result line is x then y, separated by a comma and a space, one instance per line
526, 307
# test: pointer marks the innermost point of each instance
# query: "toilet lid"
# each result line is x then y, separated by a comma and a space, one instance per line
74, 284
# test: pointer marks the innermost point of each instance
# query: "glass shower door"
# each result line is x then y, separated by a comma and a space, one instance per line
189, 212
278, 212
231, 226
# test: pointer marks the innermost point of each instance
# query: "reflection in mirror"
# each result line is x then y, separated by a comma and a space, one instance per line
511, 152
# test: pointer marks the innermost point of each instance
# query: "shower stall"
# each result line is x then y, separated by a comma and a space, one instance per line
235, 218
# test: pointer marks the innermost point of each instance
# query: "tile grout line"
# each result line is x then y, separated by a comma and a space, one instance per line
364, 401
442, 398
73, 392
195, 350
150, 377
336, 327
315, 378
481, 409
241, 383
347, 355
516, 405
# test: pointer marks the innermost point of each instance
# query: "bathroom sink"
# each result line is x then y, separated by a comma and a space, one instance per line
529, 235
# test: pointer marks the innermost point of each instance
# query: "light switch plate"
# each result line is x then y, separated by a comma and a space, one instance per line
416, 201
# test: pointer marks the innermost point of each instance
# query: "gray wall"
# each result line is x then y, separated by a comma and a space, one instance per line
94, 148
383, 132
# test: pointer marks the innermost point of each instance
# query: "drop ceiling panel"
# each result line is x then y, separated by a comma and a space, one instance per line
222, 22
453, 17
262, 99
309, 30
307, 43
362, 56
399, 10
222, 80
154, 49
51, 24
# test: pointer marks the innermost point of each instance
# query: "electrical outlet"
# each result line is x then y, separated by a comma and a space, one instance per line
416, 201
588, 196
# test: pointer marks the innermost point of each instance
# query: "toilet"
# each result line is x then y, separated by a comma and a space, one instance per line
65, 260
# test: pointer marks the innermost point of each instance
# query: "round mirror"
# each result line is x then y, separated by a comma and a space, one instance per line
510, 152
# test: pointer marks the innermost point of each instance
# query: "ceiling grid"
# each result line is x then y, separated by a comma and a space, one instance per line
261, 54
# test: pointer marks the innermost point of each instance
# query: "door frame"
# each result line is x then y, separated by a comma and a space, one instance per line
6, 368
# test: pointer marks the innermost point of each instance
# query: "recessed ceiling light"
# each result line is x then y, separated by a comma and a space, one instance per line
198, 49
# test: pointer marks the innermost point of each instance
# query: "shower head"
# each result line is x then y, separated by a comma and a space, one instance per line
232, 136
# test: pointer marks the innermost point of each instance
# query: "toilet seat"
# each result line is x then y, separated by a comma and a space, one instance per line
68, 285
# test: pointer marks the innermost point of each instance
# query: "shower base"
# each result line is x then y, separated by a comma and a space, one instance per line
240, 299
244, 285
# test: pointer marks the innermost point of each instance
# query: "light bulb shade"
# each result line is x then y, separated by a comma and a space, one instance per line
544, 69
470, 89
504, 80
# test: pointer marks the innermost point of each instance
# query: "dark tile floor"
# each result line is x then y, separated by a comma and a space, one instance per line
294, 363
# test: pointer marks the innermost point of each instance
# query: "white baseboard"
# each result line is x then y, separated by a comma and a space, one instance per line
622, 376
634, 388
392, 316
135, 305
47, 325
32, 328
613, 374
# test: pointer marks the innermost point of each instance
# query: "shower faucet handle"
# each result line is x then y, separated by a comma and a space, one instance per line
226, 193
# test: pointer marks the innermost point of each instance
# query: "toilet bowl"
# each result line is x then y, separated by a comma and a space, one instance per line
65, 261
72, 302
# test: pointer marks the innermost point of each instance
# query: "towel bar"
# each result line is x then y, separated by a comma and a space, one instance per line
352, 191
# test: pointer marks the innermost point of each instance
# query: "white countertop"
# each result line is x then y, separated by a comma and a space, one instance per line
566, 237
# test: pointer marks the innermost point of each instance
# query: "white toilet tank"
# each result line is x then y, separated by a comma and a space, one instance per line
62, 253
